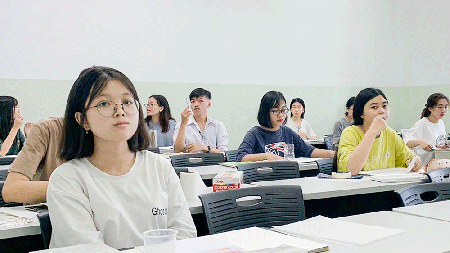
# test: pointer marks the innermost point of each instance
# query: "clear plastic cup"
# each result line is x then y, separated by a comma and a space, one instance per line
289, 151
160, 240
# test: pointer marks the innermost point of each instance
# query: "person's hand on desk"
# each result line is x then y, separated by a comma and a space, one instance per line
313, 138
303, 135
426, 146
417, 164
272, 157
195, 148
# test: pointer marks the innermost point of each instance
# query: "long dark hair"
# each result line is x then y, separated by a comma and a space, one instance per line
7, 105
165, 116
299, 100
76, 142
361, 100
432, 101
270, 100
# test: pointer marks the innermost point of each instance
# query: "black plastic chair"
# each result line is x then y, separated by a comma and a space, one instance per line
272, 206
230, 155
269, 171
7, 160
440, 175
423, 193
328, 140
154, 150
46, 227
194, 160
325, 166
178, 170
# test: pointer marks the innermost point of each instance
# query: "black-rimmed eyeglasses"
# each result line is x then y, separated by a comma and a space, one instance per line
109, 108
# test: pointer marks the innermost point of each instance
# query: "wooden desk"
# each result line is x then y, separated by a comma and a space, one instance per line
437, 210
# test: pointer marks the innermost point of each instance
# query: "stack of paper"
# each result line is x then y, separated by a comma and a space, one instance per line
86, 248
336, 231
395, 175
257, 238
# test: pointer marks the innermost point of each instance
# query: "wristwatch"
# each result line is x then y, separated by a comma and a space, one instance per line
209, 149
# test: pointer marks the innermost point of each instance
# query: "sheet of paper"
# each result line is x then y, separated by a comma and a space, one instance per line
258, 238
85, 248
342, 232
305, 159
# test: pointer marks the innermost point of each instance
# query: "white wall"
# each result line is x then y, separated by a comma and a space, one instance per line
260, 42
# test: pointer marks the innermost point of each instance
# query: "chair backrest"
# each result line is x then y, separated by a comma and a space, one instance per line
7, 160
230, 155
154, 150
4, 170
46, 227
269, 171
194, 160
325, 165
423, 193
271, 206
178, 170
328, 140
440, 175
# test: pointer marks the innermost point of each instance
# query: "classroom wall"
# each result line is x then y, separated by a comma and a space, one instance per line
235, 105
233, 42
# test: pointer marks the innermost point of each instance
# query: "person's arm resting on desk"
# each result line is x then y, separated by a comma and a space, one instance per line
19, 186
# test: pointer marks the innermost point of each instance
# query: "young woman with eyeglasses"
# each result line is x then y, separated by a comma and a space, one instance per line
11, 137
160, 119
297, 122
268, 140
370, 144
111, 189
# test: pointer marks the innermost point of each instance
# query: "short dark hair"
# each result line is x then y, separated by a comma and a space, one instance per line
76, 142
199, 92
361, 100
7, 105
165, 116
270, 100
350, 102
299, 100
432, 101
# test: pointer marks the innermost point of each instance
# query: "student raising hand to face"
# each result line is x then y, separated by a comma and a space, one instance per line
370, 144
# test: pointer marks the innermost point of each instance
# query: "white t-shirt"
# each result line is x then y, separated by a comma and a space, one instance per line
303, 127
215, 134
87, 205
425, 130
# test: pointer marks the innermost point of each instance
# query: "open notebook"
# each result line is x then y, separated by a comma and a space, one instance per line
394, 175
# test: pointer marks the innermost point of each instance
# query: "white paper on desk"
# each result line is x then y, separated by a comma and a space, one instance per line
257, 238
336, 231
192, 185
20, 213
301, 160
85, 248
